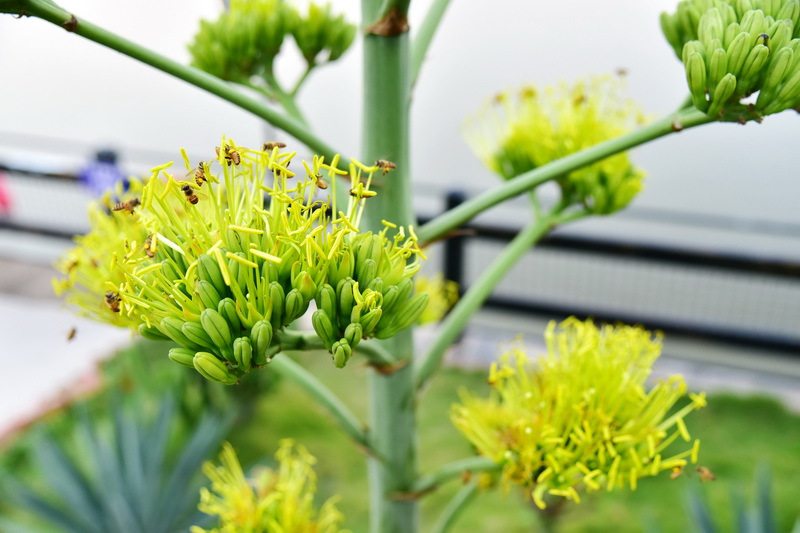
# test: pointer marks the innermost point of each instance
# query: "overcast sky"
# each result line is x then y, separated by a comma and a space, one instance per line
58, 85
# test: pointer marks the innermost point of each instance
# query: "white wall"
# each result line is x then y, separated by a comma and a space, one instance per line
59, 85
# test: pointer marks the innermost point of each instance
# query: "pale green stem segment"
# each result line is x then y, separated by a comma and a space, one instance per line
392, 417
302, 79
52, 13
454, 508
439, 226
283, 365
459, 316
454, 470
424, 36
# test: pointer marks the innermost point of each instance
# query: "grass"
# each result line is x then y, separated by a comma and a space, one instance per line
738, 434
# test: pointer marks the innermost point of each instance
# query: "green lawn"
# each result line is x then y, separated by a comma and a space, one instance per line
737, 435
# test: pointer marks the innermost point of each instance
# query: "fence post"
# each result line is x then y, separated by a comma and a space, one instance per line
454, 246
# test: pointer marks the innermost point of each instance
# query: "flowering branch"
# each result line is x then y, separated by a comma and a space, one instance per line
54, 14
459, 316
682, 120
424, 36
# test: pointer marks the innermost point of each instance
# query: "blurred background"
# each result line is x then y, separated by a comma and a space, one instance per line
709, 252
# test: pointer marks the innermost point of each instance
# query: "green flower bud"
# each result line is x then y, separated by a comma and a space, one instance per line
295, 306
304, 283
197, 336
352, 334
341, 267
182, 356
326, 300
261, 337
208, 294
171, 328
276, 298
227, 309
323, 326
208, 270
218, 331
341, 352
243, 353
369, 321
346, 296
213, 369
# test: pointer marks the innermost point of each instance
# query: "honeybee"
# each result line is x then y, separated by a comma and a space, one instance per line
148, 246
128, 206
231, 155
200, 174
191, 197
112, 301
320, 182
676, 472
270, 145
385, 165
705, 473
71, 333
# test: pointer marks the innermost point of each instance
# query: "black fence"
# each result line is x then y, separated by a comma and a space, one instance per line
456, 261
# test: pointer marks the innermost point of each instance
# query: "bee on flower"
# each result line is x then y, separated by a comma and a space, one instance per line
583, 419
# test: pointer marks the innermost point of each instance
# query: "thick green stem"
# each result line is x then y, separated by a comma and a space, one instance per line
60, 17
459, 316
287, 368
453, 470
684, 119
392, 396
424, 36
454, 508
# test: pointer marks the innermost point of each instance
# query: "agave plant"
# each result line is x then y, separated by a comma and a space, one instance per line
759, 518
138, 475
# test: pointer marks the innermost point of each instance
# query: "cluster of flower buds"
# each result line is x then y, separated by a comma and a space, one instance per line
280, 499
321, 35
245, 40
225, 261
584, 419
368, 292
732, 49
519, 131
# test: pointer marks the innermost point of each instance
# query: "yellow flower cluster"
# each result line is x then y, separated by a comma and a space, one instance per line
90, 269
584, 419
276, 501
519, 131
442, 294
221, 261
